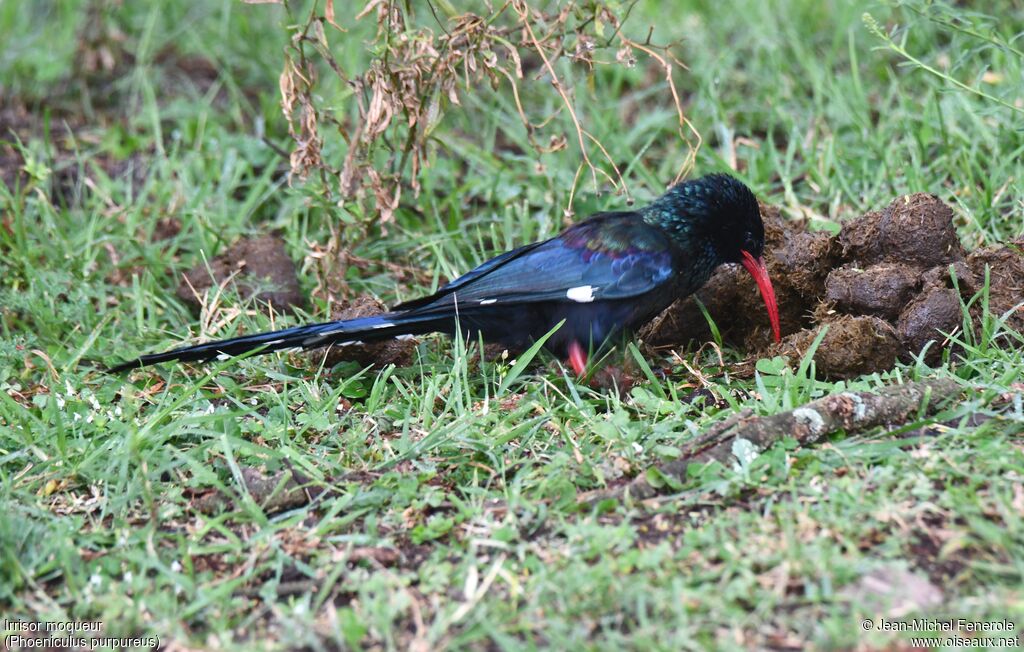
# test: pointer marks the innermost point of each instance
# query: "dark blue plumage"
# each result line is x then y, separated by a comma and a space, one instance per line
609, 274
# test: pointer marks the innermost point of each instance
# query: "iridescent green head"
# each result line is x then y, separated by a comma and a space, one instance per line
717, 211
716, 219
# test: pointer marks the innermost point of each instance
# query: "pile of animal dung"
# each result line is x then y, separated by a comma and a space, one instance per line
884, 286
255, 267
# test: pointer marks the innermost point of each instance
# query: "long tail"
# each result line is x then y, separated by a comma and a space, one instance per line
366, 329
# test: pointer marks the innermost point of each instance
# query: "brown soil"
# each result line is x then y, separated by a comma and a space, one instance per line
14, 120
884, 285
258, 268
71, 164
101, 63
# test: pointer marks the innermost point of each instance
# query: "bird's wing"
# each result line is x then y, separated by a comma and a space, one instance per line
610, 256
470, 276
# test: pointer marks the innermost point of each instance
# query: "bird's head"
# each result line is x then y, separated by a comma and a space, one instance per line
717, 218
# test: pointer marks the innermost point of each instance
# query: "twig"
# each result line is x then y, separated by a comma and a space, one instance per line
876, 29
279, 492
684, 122
847, 411
581, 134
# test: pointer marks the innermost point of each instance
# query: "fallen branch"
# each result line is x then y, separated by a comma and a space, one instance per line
279, 492
847, 411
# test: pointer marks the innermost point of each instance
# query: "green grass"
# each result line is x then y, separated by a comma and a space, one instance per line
451, 517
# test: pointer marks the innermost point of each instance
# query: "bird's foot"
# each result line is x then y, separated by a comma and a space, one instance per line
578, 358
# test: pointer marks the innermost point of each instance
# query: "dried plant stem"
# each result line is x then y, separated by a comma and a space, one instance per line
416, 74
581, 134
684, 122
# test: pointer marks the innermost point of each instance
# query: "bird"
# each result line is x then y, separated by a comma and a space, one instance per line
600, 278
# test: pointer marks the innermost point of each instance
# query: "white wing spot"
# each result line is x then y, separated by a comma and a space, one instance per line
223, 356
402, 338
273, 342
581, 294
487, 302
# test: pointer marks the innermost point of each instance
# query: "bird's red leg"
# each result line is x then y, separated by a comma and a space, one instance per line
577, 358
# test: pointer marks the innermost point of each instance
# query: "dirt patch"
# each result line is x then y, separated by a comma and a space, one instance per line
101, 65
258, 268
164, 229
378, 354
69, 160
181, 70
888, 286
14, 121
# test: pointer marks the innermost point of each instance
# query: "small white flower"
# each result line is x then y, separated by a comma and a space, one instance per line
745, 452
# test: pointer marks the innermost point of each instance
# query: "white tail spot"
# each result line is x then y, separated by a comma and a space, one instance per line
402, 338
384, 324
487, 302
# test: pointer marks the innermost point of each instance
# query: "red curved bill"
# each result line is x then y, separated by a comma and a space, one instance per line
757, 269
